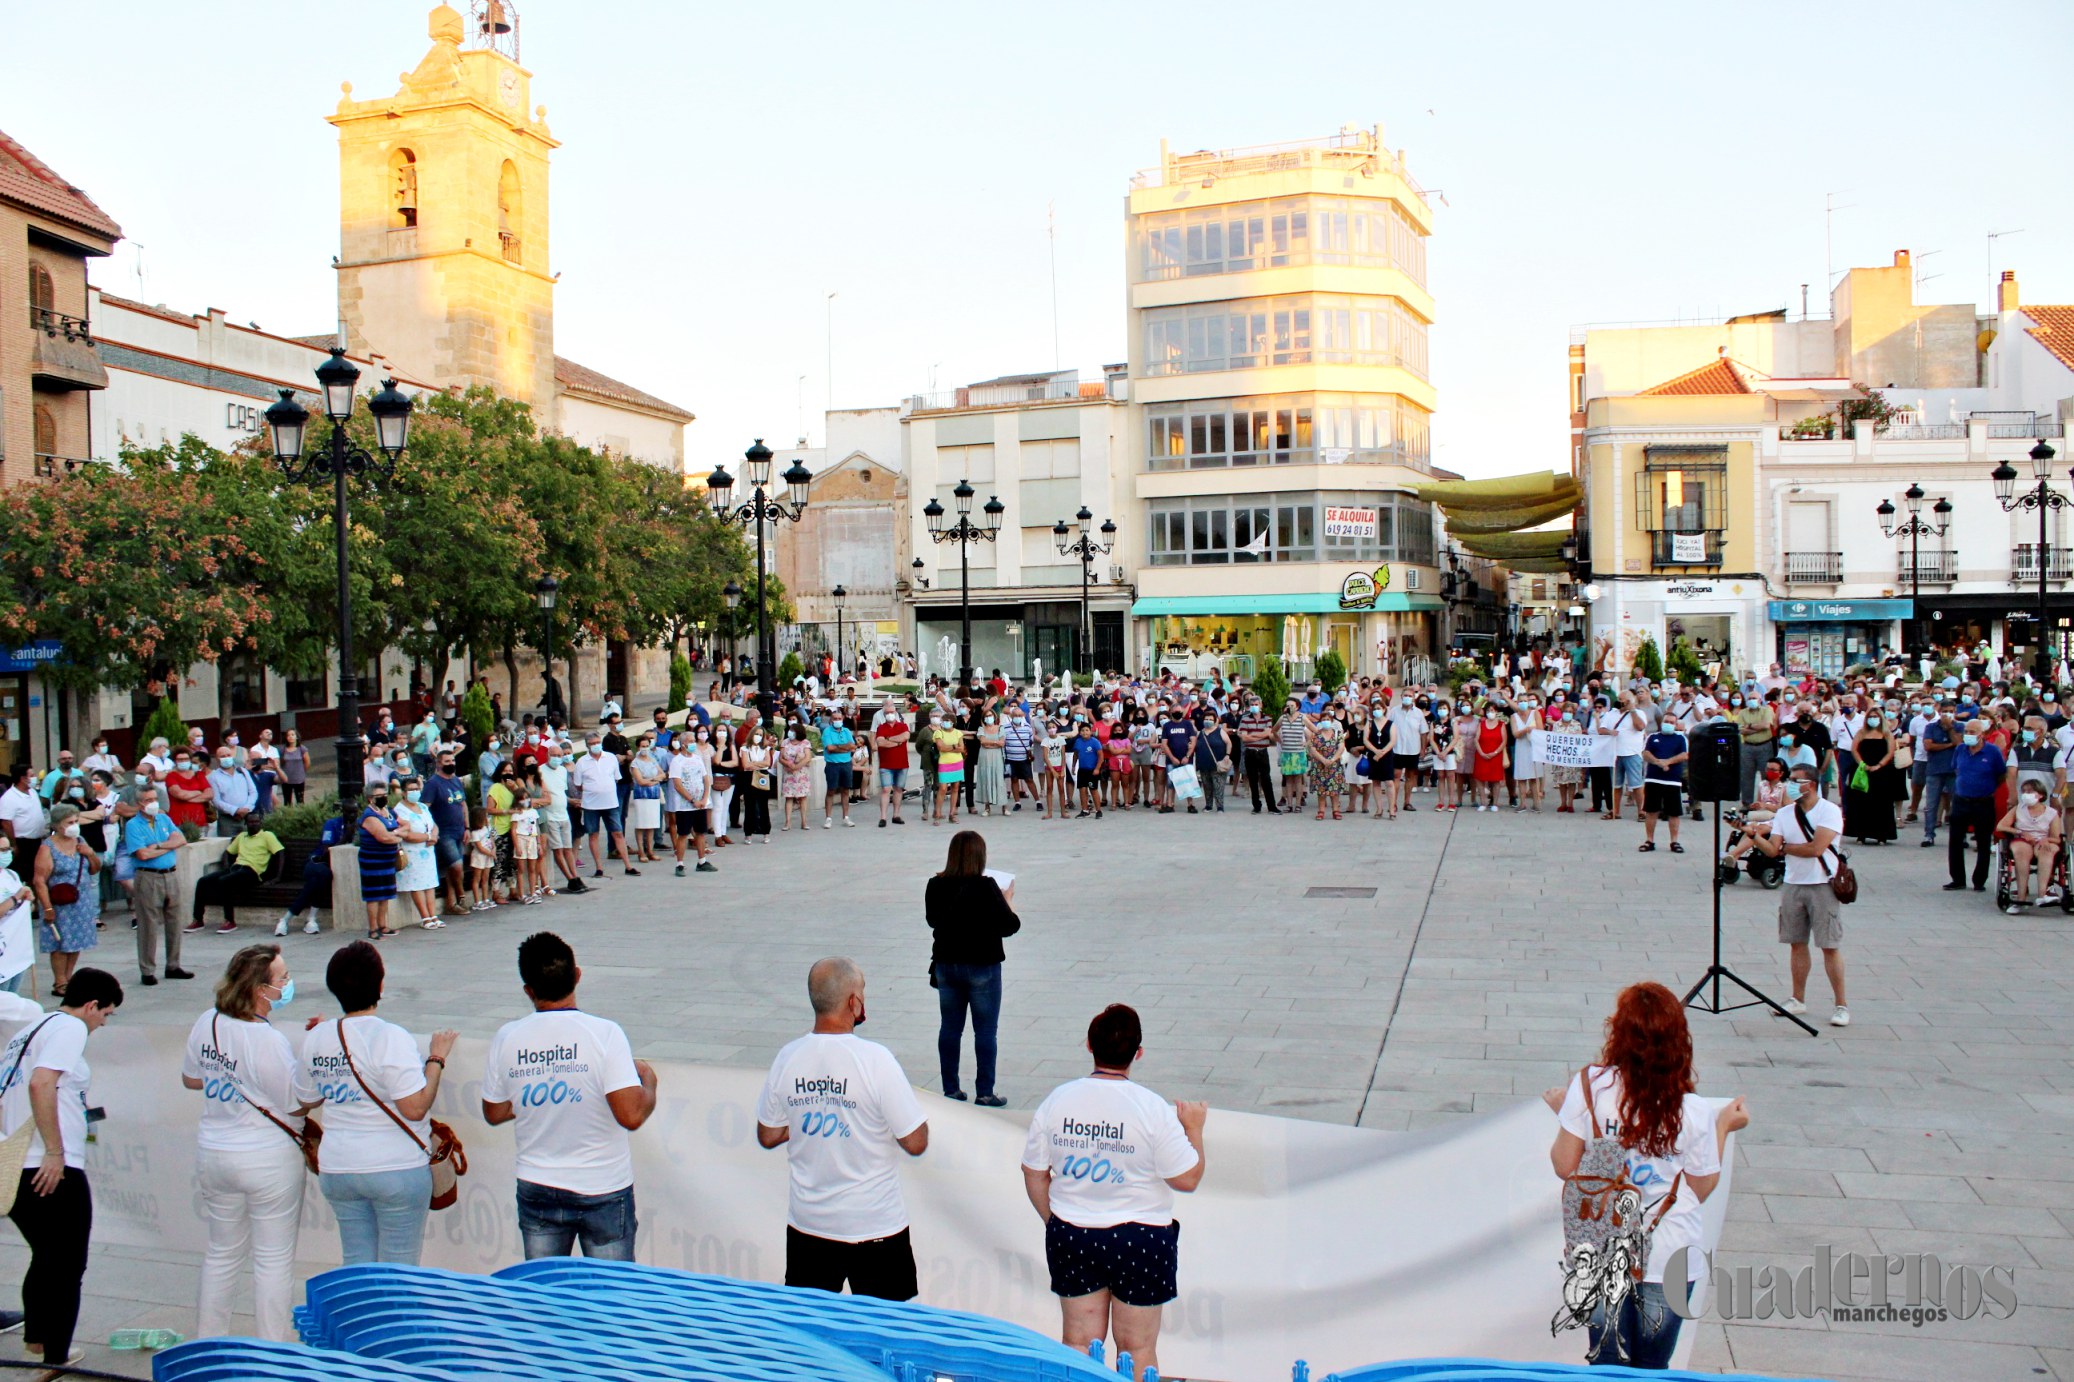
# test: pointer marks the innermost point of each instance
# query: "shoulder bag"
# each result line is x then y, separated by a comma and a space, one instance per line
65, 894
1843, 881
15, 1149
308, 1139
447, 1158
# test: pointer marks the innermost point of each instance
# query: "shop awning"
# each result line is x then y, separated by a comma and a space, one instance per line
1313, 602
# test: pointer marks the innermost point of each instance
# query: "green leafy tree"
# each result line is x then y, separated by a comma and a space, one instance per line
134, 570
162, 723
788, 669
1685, 662
1271, 684
680, 680
1332, 670
477, 715
1649, 663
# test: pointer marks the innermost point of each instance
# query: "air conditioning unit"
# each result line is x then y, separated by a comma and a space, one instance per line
1412, 576
1116, 574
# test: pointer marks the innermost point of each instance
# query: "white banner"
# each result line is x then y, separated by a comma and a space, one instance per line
1344, 522
1689, 548
1562, 750
1341, 1246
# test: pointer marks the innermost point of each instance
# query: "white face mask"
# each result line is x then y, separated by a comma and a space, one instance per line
595, 749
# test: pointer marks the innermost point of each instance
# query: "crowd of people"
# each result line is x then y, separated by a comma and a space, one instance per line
352, 1104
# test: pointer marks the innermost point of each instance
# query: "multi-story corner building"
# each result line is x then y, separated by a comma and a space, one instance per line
1046, 445
49, 369
1735, 471
1280, 404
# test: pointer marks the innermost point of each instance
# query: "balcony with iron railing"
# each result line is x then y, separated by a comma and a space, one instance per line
1669, 548
62, 355
1931, 568
1814, 568
2023, 564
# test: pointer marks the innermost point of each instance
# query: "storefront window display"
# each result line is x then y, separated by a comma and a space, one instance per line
1236, 644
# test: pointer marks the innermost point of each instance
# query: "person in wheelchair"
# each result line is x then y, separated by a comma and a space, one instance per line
1769, 800
2033, 832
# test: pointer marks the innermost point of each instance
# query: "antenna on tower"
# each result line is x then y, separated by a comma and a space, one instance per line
493, 24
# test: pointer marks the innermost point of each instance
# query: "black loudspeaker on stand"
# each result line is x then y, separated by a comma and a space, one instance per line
1713, 773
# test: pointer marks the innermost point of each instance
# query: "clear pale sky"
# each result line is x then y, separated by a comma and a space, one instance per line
724, 167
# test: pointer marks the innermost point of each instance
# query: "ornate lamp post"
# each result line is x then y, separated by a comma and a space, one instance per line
339, 458
1915, 528
964, 532
1087, 548
2045, 499
545, 591
732, 594
838, 593
761, 508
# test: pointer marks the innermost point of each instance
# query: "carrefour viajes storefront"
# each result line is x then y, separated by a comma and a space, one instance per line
1828, 637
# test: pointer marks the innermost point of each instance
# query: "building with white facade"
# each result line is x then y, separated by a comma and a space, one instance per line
849, 538
1046, 445
1280, 400
1734, 475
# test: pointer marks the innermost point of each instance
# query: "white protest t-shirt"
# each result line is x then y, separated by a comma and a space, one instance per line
57, 1042
358, 1137
555, 1069
240, 1063
1628, 737
1786, 825
690, 780
1110, 1146
1694, 1153
847, 1102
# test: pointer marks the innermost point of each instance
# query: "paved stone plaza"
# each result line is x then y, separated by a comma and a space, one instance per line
1941, 1121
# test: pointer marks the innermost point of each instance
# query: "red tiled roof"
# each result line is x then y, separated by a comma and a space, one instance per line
583, 379
2054, 331
28, 181
1719, 377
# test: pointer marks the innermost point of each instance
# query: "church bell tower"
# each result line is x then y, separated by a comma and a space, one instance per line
443, 255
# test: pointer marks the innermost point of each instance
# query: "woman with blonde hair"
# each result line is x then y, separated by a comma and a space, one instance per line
249, 1169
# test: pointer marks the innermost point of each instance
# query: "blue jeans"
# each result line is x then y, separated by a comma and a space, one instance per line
1645, 1331
1936, 787
959, 987
381, 1214
553, 1221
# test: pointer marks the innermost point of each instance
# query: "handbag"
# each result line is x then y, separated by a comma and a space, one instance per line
446, 1156
1843, 881
14, 1150
308, 1139
1904, 758
760, 780
65, 894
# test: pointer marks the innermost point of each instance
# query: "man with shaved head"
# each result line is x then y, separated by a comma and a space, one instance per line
840, 1105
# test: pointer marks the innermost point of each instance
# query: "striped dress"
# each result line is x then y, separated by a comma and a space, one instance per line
377, 860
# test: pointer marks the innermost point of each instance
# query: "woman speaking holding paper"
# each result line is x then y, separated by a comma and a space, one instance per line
969, 913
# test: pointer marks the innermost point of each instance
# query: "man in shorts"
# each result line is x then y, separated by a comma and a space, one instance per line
1808, 908
1019, 756
1101, 1165
691, 789
1664, 755
594, 779
842, 1107
447, 800
556, 834
889, 741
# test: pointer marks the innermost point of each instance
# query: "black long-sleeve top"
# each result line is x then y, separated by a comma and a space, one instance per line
969, 916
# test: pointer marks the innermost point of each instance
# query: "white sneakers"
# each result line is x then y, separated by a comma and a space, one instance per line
1840, 1018
1794, 1006
310, 927
281, 926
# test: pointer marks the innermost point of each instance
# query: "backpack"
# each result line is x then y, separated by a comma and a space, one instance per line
1605, 1241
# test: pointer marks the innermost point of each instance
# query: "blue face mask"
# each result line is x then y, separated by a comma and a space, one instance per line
414, 794
287, 994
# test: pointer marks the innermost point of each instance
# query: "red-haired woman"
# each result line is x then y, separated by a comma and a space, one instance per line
1641, 1094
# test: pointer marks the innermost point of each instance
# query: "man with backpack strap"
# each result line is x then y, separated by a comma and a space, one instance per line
1806, 833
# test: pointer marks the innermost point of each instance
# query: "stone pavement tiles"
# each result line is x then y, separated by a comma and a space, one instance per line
1478, 974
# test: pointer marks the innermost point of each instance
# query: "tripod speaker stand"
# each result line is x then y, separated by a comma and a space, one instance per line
1713, 773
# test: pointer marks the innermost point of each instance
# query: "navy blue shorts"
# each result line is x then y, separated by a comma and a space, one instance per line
1135, 1263
601, 818
447, 851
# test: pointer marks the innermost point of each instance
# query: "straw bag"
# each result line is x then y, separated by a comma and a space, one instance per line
447, 1158
14, 1150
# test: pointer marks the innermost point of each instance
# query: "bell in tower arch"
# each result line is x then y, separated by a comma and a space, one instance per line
496, 26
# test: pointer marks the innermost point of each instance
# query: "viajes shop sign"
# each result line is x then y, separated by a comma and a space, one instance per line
1911, 1288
